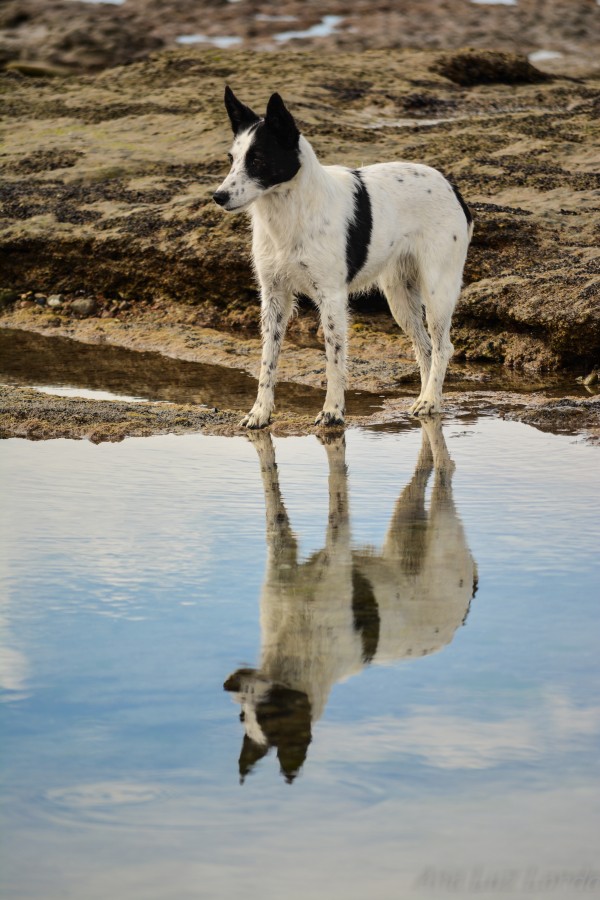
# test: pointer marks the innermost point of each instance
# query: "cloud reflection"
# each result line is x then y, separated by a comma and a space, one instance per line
447, 741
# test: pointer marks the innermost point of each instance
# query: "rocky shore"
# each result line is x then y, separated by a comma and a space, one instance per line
107, 184
58, 36
109, 235
28, 413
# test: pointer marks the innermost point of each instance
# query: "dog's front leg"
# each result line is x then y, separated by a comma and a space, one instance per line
276, 307
334, 318
281, 541
338, 528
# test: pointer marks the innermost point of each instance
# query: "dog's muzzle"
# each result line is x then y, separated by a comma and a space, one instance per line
221, 197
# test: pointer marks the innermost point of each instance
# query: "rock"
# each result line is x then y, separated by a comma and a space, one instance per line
25, 412
50, 40
36, 69
84, 306
565, 416
473, 67
54, 301
7, 297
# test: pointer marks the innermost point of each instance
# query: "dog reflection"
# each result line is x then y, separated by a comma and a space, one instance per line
324, 619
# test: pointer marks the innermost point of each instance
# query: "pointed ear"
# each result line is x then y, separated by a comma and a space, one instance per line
250, 755
280, 119
240, 116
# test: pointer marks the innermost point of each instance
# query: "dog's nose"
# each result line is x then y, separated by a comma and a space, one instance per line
221, 197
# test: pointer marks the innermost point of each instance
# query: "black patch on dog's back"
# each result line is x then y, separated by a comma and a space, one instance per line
461, 200
359, 229
268, 160
366, 614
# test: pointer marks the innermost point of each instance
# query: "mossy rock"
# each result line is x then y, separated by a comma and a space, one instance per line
469, 68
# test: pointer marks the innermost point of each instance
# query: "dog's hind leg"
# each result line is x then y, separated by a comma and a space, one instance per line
404, 299
334, 318
440, 293
276, 307
408, 533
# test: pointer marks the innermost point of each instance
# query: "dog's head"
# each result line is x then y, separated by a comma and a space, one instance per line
264, 154
274, 715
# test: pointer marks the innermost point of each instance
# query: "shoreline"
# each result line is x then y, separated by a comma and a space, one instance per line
33, 415
470, 392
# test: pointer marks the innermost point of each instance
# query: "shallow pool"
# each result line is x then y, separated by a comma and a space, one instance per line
286, 669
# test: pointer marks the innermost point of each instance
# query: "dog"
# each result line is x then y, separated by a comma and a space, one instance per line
326, 618
329, 231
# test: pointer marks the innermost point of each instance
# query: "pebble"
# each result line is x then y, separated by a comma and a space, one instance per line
84, 306
54, 300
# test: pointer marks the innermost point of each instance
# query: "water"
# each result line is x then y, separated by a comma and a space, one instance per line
63, 366
224, 42
327, 26
401, 737
543, 56
67, 367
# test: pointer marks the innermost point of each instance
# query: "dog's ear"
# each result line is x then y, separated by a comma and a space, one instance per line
250, 755
240, 116
280, 119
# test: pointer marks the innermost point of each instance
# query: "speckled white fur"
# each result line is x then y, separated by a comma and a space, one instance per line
416, 255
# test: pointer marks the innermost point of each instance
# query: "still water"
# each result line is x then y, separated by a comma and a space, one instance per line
71, 367
286, 669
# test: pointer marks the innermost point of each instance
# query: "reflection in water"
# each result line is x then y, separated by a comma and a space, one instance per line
324, 619
34, 359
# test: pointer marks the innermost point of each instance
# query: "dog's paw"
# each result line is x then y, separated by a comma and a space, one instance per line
332, 440
256, 419
330, 418
424, 407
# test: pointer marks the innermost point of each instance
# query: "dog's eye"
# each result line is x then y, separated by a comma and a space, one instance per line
230, 157
253, 160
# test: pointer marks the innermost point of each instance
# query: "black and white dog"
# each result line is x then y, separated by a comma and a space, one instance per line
327, 231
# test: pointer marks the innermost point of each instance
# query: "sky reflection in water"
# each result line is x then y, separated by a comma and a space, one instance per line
386, 749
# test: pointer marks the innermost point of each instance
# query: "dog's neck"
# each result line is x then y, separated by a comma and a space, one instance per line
286, 209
